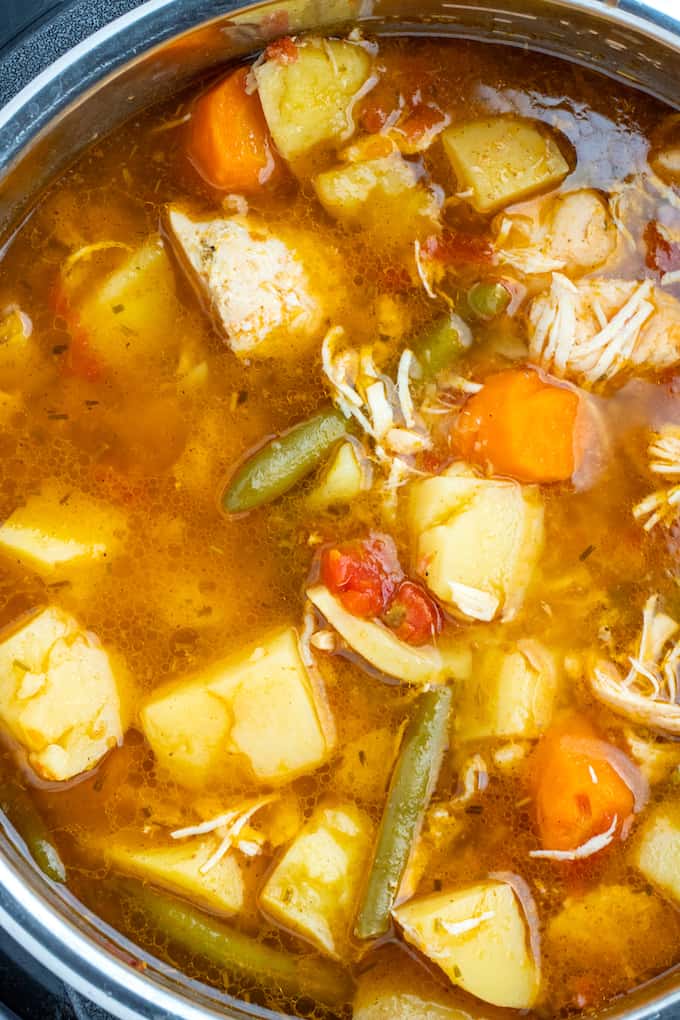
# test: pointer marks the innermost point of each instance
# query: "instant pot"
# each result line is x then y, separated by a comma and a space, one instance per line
73, 78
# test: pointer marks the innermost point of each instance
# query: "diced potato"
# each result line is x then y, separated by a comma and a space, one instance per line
384, 196
62, 696
476, 533
478, 936
256, 709
657, 850
395, 987
384, 651
130, 317
59, 530
268, 292
178, 868
612, 922
314, 887
503, 160
309, 101
510, 693
366, 764
343, 479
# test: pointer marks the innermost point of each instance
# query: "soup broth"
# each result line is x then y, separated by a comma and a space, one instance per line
339, 565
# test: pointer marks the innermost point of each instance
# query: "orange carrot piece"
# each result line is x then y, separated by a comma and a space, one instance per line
524, 426
229, 142
577, 791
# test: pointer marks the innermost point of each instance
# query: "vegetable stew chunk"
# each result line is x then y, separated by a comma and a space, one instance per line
396, 988
476, 541
257, 284
308, 95
511, 693
502, 160
229, 715
657, 850
384, 196
478, 936
313, 889
62, 696
58, 531
178, 868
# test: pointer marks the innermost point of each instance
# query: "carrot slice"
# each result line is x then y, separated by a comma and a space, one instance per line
577, 791
521, 425
229, 142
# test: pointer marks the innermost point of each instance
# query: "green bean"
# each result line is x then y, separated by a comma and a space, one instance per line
440, 345
282, 462
17, 805
202, 935
488, 299
413, 781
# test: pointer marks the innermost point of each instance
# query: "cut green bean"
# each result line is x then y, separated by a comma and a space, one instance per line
413, 781
17, 805
202, 935
442, 343
488, 299
283, 462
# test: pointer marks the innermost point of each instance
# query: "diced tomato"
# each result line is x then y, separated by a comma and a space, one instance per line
362, 574
423, 119
413, 615
80, 361
452, 249
577, 790
663, 255
283, 50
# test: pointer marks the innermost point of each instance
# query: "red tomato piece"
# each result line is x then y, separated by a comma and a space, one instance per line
413, 615
284, 50
452, 249
663, 254
362, 574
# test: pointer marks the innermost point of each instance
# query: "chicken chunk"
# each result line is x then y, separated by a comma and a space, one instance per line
62, 696
59, 530
263, 289
476, 540
573, 232
229, 717
594, 330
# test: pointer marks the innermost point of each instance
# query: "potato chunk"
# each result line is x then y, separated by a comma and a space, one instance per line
178, 868
256, 709
128, 319
384, 196
314, 887
62, 696
476, 540
510, 693
376, 643
612, 922
263, 289
657, 850
395, 987
478, 936
309, 101
503, 160
342, 480
59, 530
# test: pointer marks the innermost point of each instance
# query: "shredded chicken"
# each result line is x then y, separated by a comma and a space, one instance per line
230, 826
592, 846
662, 505
469, 924
595, 329
648, 693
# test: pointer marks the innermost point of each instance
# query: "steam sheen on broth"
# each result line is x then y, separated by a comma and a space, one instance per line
339, 557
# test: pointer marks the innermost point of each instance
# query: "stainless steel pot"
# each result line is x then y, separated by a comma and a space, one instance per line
142, 57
